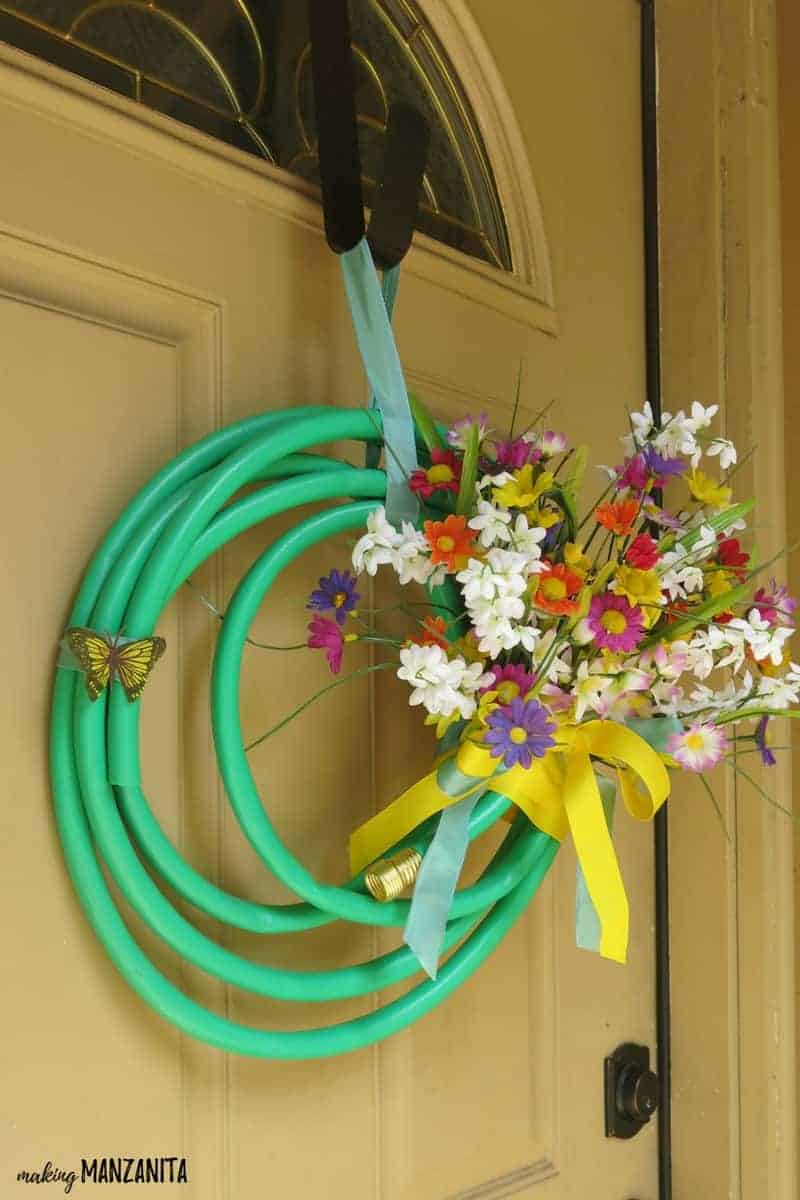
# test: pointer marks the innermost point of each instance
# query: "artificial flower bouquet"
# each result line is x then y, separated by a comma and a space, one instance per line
554, 634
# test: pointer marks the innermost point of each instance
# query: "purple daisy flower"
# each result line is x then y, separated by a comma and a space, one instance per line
767, 757
337, 594
520, 732
325, 635
662, 469
616, 624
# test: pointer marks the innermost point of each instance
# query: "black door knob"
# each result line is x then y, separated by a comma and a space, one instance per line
638, 1092
632, 1091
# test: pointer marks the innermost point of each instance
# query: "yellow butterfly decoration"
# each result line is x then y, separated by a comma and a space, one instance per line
103, 658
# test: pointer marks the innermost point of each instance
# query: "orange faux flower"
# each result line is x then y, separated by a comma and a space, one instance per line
556, 589
434, 633
620, 518
451, 542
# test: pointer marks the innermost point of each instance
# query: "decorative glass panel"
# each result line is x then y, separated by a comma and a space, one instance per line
240, 71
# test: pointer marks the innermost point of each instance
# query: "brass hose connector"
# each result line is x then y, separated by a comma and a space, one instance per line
388, 877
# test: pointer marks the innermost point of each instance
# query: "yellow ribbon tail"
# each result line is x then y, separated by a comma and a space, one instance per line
596, 855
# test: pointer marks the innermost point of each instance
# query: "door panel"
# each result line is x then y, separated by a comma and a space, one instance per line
146, 302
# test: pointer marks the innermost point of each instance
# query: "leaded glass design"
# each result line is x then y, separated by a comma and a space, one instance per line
240, 71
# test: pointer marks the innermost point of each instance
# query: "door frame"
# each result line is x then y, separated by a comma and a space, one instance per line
732, 943
733, 1102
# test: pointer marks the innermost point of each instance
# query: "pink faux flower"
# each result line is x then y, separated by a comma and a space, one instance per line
616, 624
459, 433
699, 748
634, 474
326, 635
552, 443
517, 453
776, 606
510, 682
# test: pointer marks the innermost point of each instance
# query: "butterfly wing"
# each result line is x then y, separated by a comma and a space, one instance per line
93, 652
133, 662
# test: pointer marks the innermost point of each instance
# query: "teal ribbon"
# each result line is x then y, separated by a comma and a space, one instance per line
438, 875
656, 731
371, 304
587, 922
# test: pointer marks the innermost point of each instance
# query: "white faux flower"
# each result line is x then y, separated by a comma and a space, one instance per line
700, 654
528, 637
499, 574
492, 523
765, 640
720, 699
376, 546
676, 435
726, 451
779, 694
497, 634
499, 608
492, 481
642, 424
591, 690
667, 698
527, 542
702, 417
442, 685
679, 577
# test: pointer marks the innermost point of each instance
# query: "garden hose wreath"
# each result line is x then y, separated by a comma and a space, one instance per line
170, 528
565, 660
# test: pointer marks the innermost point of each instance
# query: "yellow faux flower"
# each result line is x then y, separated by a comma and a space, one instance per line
708, 490
642, 588
718, 583
543, 518
521, 491
575, 558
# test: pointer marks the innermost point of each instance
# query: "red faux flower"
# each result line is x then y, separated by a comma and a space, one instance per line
443, 475
642, 552
731, 555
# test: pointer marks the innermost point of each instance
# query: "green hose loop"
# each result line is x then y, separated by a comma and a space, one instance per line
188, 511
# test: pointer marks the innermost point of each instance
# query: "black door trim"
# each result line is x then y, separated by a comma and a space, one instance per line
652, 306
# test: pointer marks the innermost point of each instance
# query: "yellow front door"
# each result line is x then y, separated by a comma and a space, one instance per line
155, 288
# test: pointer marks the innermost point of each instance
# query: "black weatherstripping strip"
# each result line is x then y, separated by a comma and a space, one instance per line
649, 62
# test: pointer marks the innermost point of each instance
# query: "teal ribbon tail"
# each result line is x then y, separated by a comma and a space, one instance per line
436, 884
587, 922
437, 877
370, 306
656, 731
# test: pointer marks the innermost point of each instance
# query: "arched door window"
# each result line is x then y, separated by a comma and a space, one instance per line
239, 70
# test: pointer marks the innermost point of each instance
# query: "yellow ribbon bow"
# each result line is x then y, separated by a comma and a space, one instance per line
558, 793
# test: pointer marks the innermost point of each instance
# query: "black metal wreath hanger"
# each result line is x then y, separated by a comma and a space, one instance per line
396, 203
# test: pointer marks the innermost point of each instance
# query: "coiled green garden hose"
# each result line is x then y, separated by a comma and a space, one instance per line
180, 518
